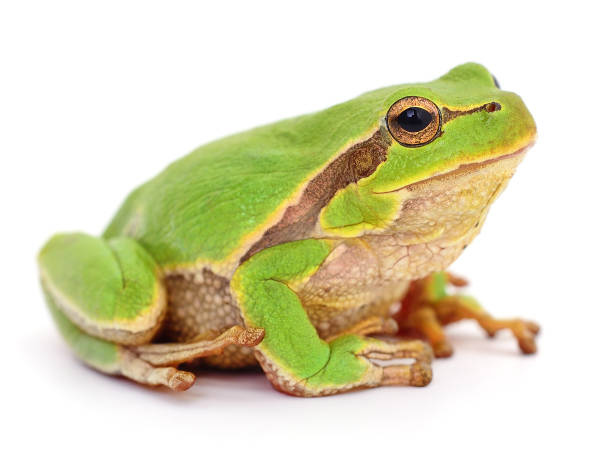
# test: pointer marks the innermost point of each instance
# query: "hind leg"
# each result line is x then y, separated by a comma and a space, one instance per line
150, 364
108, 300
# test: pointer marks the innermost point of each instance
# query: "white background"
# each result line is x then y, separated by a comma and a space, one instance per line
95, 99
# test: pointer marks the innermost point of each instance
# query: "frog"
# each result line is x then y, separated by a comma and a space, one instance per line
316, 248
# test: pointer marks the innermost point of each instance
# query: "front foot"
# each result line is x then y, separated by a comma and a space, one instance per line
416, 374
442, 349
358, 362
455, 308
428, 306
524, 331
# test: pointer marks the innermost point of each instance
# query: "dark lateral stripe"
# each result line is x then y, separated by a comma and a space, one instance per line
449, 115
357, 162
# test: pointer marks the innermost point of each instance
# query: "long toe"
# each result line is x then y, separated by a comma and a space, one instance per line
418, 374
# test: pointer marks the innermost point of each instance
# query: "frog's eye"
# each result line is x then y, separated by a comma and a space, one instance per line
414, 121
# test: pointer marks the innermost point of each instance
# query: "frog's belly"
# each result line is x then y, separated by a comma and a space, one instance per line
200, 305
365, 277
348, 287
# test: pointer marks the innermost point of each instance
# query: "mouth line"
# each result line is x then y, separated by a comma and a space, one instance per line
464, 167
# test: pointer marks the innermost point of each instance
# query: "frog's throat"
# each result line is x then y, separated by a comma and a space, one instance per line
441, 215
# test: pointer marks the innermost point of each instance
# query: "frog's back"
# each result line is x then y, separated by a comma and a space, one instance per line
209, 206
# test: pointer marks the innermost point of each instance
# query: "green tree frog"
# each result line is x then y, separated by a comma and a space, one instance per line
316, 247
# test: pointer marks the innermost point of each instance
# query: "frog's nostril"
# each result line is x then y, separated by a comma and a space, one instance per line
492, 107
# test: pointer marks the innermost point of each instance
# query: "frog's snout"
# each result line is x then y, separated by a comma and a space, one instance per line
492, 107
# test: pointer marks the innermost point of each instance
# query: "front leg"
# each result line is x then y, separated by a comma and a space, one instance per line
427, 307
294, 358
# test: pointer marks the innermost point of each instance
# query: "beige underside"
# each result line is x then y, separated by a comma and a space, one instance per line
361, 277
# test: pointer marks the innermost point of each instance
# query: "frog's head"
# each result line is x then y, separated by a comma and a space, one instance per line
451, 146
462, 118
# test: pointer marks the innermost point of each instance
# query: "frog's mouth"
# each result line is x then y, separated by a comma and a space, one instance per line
468, 168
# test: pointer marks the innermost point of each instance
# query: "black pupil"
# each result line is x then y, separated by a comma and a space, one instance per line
414, 119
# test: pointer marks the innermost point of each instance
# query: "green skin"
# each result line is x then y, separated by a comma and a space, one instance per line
207, 209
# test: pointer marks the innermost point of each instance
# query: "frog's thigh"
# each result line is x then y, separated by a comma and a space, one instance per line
146, 363
108, 299
293, 356
111, 289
